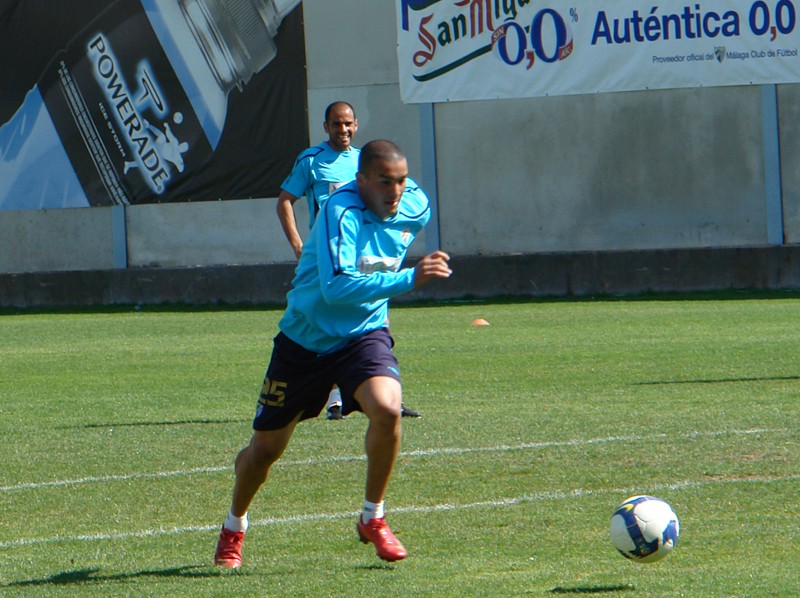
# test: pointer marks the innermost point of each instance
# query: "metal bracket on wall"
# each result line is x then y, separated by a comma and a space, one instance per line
772, 164
119, 236
428, 179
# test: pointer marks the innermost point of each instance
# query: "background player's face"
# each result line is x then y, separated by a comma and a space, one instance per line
341, 126
382, 186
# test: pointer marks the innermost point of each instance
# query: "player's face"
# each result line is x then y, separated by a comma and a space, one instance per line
383, 185
341, 126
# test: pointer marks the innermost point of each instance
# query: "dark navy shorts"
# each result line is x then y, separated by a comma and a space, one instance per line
299, 380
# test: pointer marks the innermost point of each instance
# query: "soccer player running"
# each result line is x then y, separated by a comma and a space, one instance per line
334, 330
318, 172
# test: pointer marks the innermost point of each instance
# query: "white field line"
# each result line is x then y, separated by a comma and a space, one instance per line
488, 504
418, 453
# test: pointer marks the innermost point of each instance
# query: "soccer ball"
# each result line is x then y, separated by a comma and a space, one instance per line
644, 529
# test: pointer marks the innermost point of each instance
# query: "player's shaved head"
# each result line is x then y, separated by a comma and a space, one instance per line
337, 105
378, 150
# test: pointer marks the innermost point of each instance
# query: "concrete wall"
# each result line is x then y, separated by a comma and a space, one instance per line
46, 240
789, 110
230, 232
157, 235
661, 170
533, 275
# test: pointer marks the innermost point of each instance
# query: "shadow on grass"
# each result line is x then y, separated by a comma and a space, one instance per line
717, 381
180, 422
377, 567
89, 576
592, 589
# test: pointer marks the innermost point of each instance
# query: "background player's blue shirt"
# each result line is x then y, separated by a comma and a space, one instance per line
350, 267
318, 172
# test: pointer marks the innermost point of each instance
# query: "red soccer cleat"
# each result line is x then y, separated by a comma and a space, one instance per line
229, 549
376, 531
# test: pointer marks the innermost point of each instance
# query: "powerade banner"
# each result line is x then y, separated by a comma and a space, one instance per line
144, 101
452, 50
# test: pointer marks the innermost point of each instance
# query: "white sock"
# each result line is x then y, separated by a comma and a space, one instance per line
335, 398
236, 524
372, 510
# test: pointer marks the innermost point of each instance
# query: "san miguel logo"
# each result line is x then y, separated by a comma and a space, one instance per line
452, 33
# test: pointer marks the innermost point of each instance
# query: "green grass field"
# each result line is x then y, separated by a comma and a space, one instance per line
119, 428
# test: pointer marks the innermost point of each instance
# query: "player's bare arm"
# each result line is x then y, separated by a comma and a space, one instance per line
289, 222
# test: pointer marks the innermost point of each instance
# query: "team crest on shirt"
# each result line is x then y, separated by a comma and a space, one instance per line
405, 236
367, 264
333, 186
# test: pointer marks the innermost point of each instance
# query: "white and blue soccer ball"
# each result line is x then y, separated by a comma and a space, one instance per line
644, 529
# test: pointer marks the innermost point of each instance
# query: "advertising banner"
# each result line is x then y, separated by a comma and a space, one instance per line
451, 50
144, 101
